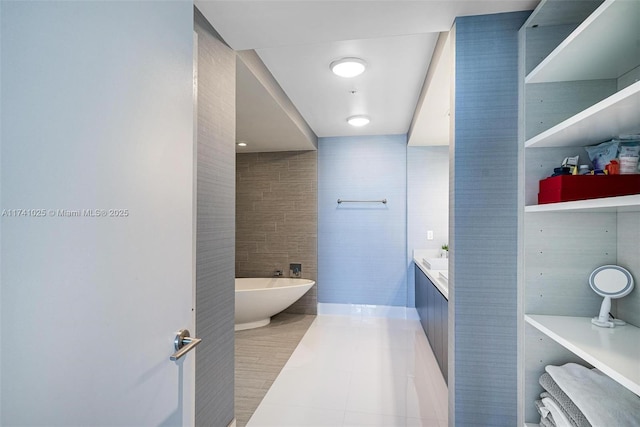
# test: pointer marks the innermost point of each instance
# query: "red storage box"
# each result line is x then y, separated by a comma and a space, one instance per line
565, 188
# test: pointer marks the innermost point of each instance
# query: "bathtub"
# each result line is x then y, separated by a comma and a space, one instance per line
259, 299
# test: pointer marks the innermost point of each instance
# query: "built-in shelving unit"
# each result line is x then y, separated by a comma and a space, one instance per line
613, 116
610, 31
580, 85
614, 351
608, 204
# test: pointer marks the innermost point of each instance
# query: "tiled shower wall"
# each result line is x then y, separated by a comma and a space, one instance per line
277, 217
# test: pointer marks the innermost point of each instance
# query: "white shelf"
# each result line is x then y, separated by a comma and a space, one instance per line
614, 351
607, 204
604, 46
603, 51
613, 116
550, 13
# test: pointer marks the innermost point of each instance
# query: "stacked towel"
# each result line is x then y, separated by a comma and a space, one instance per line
555, 393
576, 396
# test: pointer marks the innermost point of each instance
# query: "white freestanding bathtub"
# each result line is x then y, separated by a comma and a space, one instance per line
257, 299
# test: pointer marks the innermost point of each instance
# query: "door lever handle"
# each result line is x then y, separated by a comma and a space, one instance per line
184, 343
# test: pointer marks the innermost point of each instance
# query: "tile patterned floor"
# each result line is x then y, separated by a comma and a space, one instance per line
357, 371
260, 356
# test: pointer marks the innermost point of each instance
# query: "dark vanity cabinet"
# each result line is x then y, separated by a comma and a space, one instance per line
433, 309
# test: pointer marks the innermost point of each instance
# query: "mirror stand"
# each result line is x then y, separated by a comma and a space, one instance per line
610, 281
604, 320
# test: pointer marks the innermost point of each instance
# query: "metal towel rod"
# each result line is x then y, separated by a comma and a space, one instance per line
362, 201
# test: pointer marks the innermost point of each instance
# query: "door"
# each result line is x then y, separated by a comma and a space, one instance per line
97, 207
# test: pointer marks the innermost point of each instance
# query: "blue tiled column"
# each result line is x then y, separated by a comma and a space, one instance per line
483, 303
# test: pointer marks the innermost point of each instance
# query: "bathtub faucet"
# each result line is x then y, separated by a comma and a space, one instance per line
277, 273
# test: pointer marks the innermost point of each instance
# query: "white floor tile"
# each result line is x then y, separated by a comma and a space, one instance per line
312, 389
315, 358
401, 339
325, 347
373, 393
418, 422
337, 320
330, 336
358, 371
384, 361
358, 419
294, 416
431, 396
391, 323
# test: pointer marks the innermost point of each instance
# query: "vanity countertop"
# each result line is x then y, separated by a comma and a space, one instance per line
434, 275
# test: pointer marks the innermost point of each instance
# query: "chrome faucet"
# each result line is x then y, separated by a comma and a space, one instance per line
277, 273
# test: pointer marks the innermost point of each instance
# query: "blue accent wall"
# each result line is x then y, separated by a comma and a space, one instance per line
362, 246
484, 224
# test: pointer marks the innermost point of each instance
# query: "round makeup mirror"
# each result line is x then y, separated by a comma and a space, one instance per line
610, 281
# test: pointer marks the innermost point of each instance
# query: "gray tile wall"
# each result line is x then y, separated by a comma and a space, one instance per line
215, 287
277, 217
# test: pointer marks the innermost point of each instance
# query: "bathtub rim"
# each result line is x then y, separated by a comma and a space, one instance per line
303, 282
294, 284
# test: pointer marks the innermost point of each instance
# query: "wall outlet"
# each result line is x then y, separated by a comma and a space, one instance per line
430, 235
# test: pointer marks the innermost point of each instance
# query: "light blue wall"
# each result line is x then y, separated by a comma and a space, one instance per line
484, 224
362, 246
427, 203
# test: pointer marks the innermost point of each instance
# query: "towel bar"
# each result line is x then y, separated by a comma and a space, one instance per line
362, 201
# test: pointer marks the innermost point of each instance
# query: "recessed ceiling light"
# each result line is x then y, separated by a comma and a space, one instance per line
241, 144
348, 67
358, 121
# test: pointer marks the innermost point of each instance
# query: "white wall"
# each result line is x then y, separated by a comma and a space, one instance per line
97, 113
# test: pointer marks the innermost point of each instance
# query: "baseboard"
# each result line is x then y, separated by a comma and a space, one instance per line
232, 423
367, 310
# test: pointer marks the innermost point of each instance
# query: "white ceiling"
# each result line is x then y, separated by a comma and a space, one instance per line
387, 91
265, 118
297, 40
431, 124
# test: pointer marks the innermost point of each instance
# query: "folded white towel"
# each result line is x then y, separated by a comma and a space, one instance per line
559, 417
561, 398
603, 401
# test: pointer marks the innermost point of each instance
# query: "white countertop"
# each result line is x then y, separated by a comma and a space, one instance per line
433, 275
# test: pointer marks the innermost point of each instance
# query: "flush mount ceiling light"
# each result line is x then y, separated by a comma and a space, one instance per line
358, 121
348, 67
241, 144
